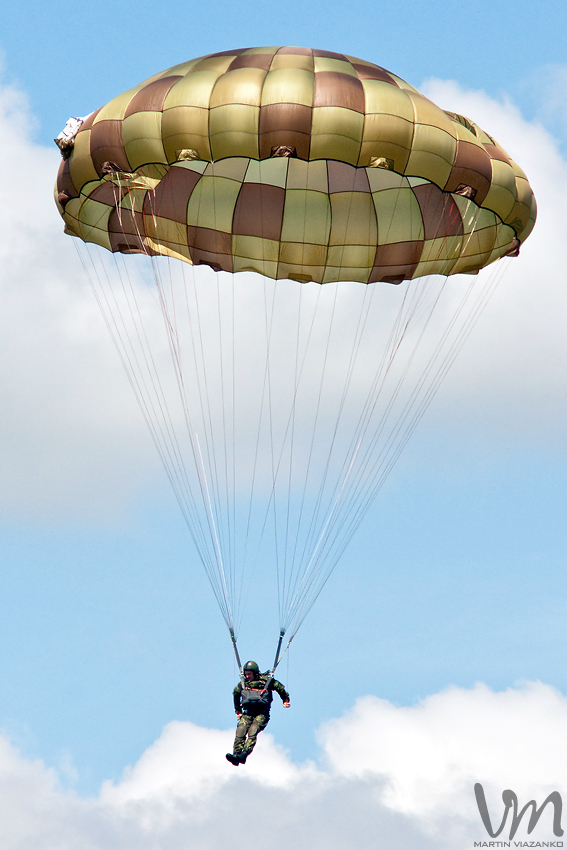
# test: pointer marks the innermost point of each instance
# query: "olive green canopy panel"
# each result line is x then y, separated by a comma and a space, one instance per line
295, 163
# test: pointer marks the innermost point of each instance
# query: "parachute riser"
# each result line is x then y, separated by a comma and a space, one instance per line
277, 659
238, 661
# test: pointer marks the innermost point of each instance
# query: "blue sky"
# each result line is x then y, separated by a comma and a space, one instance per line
108, 628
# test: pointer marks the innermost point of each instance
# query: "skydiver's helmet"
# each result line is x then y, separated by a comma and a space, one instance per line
252, 666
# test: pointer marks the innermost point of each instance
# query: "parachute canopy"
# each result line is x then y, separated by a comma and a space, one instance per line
295, 163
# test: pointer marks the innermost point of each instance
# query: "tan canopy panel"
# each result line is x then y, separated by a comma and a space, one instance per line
295, 163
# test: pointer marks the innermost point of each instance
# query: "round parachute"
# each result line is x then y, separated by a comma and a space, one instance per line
279, 406
294, 163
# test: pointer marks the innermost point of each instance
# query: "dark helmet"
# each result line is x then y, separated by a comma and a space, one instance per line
251, 665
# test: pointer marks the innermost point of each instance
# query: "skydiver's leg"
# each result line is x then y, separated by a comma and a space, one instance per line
242, 727
258, 723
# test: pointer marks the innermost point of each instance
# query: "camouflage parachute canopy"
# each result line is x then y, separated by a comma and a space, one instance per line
295, 163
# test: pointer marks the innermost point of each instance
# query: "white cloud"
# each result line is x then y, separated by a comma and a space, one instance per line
431, 754
509, 380
396, 777
67, 418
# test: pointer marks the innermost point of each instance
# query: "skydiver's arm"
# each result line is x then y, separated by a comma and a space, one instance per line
279, 689
236, 696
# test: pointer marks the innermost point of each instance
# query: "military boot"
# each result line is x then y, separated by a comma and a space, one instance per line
233, 759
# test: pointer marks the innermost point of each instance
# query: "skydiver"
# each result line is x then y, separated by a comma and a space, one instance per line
252, 705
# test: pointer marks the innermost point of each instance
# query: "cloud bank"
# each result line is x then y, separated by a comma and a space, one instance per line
67, 418
510, 375
388, 777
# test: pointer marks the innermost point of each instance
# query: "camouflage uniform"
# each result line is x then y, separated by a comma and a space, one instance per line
255, 714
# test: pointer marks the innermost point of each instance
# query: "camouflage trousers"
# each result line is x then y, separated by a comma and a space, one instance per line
251, 727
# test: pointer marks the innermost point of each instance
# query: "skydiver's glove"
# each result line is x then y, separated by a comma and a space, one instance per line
239, 714
286, 704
